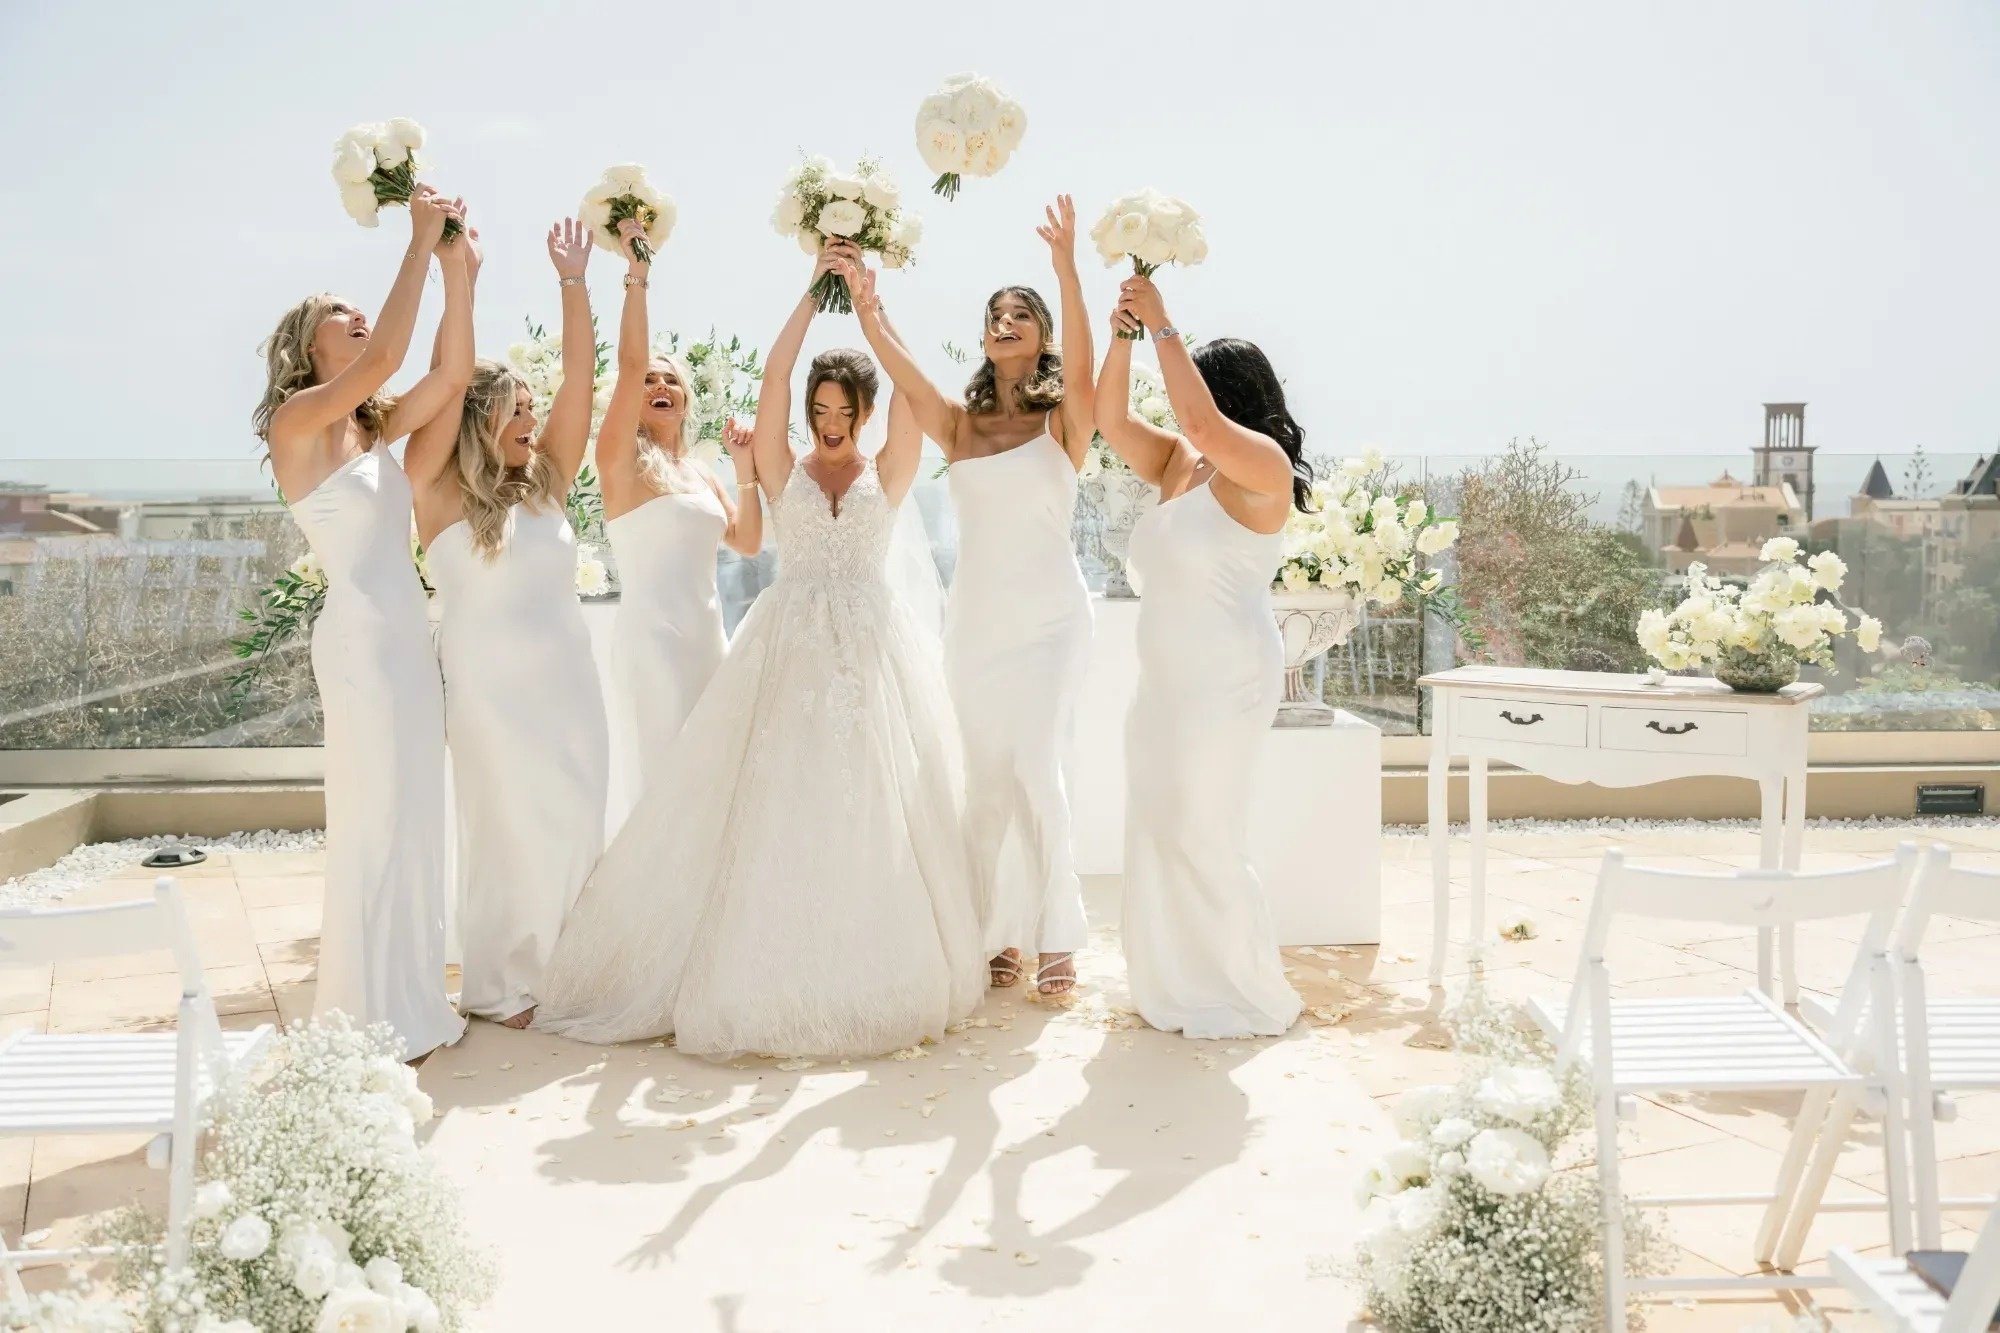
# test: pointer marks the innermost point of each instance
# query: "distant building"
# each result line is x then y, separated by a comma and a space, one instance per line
1950, 526
1785, 459
28, 511
1722, 525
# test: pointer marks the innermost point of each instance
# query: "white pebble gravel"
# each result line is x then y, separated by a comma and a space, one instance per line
101, 860
1622, 825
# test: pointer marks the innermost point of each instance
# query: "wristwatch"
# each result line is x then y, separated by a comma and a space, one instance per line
1164, 332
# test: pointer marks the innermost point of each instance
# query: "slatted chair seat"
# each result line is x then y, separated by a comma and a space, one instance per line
103, 1083
1896, 1295
1965, 1043
1707, 1043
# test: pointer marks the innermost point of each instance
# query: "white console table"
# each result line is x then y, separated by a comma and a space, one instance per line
1615, 731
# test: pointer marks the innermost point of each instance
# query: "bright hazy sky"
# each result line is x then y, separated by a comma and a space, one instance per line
1618, 226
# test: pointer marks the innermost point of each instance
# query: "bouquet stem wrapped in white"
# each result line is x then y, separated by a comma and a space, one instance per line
862, 205
967, 128
1782, 616
376, 165
626, 193
1153, 229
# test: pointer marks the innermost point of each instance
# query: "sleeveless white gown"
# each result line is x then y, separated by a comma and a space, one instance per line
794, 879
1201, 953
1017, 639
668, 638
382, 931
524, 717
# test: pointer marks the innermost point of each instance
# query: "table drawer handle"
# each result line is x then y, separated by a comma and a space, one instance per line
1654, 725
1521, 721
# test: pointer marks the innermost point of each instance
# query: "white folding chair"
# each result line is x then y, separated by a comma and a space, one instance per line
117, 1083
1731, 1043
1905, 1303
1950, 1045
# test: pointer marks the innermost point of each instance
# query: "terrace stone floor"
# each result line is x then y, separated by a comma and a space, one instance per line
1055, 1168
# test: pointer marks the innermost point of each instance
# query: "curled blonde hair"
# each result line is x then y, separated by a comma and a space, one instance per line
487, 488
288, 368
655, 456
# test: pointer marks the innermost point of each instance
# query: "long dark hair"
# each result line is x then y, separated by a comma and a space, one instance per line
852, 371
1249, 393
1043, 389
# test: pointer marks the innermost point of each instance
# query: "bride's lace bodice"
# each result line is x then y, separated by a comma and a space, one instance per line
814, 544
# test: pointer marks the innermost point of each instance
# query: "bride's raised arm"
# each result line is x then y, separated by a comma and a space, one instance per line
770, 437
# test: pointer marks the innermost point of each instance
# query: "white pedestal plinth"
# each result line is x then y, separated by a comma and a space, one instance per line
1316, 823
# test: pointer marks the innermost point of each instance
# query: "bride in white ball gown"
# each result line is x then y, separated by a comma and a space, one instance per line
794, 878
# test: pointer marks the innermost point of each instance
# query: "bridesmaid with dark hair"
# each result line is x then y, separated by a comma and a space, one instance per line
1202, 954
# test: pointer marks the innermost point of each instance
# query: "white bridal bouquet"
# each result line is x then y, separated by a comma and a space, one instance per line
1357, 539
315, 1208
968, 128
626, 193
1466, 1224
1153, 229
377, 164
1765, 631
862, 205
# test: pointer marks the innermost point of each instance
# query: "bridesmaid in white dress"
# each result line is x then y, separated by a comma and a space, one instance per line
665, 515
523, 711
328, 426
1017, 632
1201, 953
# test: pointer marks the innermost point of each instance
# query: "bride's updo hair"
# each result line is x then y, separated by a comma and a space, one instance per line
852, 370
1248, 391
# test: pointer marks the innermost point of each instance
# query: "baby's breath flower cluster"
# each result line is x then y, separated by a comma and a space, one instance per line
1466, 1226
315, 1207
67, 1312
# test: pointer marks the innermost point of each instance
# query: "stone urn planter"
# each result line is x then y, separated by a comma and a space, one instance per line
1112, 503
1310, 622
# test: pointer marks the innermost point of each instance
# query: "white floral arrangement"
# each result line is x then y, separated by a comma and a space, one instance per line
1781, 615
1367, 543
315, 1208
592, 578
968, 127
861, 205
537, 359
72, 1311
1466, 1224
376, 165
1152, 229
623, 193
1149, 401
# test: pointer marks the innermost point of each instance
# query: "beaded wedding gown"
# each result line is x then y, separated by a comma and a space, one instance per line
793, 879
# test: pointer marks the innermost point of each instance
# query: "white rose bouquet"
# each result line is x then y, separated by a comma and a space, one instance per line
1358, 539
377, 164
1465, 1222
626, 193
315, 1206
1785, 618
967, 128
1153, 229
862, 205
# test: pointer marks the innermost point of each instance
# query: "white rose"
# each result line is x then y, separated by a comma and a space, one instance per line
976, 107
1507, 1161
810, 240
1450, 1163
404, 132
1192, 245
1828, 570
315, 1273
245, 1239
941, 145
1519, 1093
1128, 233
1415, 513
843, 185
1453, 1132
1386, 593
383, 1274
1517, 926
1781, 550
664, 217
842, 217
353, 160
935, 107
591, 581
1009, 125
625, 177
789, 215
1868, 634
1798, 627
880, 192
1163, 233
212, 1198
1438, 536
1295, 579
359, 1310
359, 201
420, 1312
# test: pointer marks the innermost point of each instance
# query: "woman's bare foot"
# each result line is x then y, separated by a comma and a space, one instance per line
520, 1020
1005, 968
1057, 974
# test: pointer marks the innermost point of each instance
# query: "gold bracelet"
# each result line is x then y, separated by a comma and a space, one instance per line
631, 281
570, 282
746, 485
